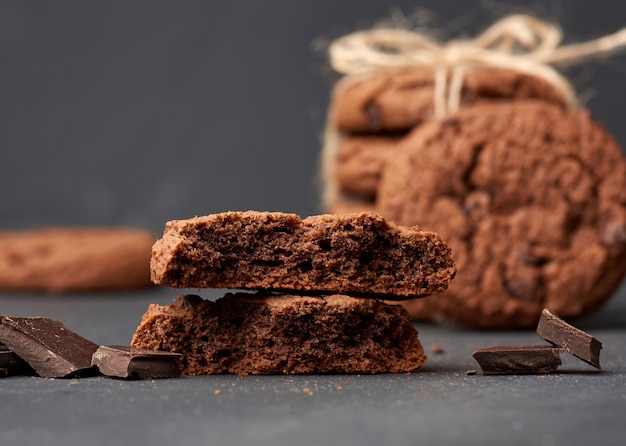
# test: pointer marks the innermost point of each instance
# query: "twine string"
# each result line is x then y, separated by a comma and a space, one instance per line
521, 43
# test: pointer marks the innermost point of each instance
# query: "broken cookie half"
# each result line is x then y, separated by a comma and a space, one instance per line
282, 334
318, 281
353, 254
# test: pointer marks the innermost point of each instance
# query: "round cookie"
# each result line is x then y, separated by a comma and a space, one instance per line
75, 259
360, 162
350, 206
531, 199
399, 101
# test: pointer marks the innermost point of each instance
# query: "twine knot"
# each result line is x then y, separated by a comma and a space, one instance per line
521, 43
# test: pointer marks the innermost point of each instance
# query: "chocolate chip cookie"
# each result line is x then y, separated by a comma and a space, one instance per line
354, 254
360, 162
399, 101
70, 259
532, 200
282, 334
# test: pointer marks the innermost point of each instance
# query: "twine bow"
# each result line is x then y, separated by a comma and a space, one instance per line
518, 42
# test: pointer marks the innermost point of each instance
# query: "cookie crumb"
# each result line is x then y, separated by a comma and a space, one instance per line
470, 372
217, 391
438, 349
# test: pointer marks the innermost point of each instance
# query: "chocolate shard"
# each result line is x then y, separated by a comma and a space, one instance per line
556, 331
11, 364
518, 359
8, 359
50, 348
136, 363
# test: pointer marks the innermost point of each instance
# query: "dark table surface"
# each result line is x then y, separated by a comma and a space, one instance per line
135, 113
439, 404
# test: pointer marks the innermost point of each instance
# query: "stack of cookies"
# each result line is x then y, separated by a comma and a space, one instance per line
529, 194
374, 115
318, 283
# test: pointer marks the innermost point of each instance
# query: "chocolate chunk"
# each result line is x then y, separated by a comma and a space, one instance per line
575, 341
450, 122
51, 349
519, 359
614, 234
373, 113
11, 364
7, 357
476, 204
523, 285
136, 363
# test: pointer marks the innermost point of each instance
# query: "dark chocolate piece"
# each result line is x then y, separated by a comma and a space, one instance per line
575, 341
51, 349
135, 363
518, 359
11, 364
7, 357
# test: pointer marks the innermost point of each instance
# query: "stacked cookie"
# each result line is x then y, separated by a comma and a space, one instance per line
373, 116
318, 282
530, 196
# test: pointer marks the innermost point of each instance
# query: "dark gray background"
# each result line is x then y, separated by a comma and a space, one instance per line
135, 113
120, 112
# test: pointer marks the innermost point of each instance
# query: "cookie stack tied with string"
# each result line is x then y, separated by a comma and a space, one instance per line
483, 141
